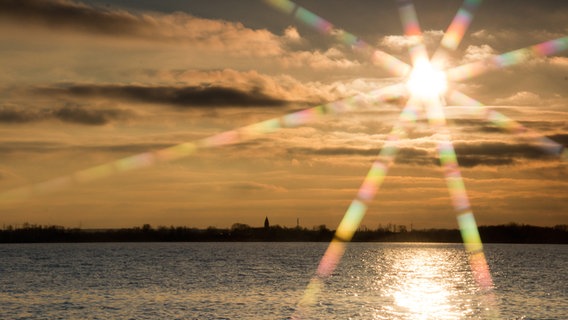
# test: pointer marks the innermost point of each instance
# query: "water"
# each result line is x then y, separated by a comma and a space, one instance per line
266, 280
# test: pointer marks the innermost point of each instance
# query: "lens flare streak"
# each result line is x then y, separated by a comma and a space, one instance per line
477, 109
462, 207
434, 104
508, 59
380, 58
356, 211
176, 152
455, 32
417, 50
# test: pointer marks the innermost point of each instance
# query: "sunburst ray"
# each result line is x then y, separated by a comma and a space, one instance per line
511, 58
380, 58
478, 110
358, 207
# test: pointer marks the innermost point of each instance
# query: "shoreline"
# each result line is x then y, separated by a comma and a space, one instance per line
511, 233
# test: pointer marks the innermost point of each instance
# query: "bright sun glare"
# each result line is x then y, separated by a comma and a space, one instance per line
426, 81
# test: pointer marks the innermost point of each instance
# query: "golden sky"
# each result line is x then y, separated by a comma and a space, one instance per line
86, 83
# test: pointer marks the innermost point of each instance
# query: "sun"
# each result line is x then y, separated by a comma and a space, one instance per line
426, 81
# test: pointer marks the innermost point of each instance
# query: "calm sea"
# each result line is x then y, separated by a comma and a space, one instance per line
266, 280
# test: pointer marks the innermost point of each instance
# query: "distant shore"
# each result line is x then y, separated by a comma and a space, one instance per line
510, 233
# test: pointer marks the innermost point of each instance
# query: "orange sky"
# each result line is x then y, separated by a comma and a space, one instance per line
85, 83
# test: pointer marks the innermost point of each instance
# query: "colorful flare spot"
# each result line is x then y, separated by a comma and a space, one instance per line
94, 173
456, 31
470, 234
551, 47
409, 19
135, 162
480, 270
351, 221
301, 117
314, 20
176, 152
372, 182
285, 6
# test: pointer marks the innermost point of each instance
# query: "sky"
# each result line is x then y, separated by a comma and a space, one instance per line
85, 83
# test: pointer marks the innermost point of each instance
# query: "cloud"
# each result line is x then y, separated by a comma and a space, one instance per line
561, 138
256, 186
74, 41
187, 96
476, 53
62, 14
523, 98
561, 62
475, 125
88, 116
37, 146
280, 86
71, 114
46, 146
331, 59
471, 154
292, 35
399, 43
18, 115
76, 17
337, 151
513, 38
405, 155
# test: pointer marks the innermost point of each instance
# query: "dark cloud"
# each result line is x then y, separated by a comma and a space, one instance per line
71, 114
561, 138
124, 148
474, 125
88, 116
174, 28
484, 126
406, 155
471, 160
497, 153
18, 115
339, 151
416, 156
41, 146
189, 96
7, 147
255, 186
469, 154
69, 14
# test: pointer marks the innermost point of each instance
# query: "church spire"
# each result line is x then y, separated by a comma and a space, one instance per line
266, 223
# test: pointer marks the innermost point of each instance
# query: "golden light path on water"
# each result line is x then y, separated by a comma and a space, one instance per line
424, 290
421, 292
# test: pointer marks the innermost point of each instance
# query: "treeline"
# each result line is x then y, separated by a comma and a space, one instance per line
510, 233
238, 232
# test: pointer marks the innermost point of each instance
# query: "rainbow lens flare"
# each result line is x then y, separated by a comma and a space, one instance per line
432, 105
412, 30
478, 110
508, 59
388, 62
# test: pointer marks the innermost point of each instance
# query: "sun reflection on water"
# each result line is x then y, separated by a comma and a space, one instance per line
422, 291
427, 283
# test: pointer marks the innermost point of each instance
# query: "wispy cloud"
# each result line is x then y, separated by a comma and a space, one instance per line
71, 114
